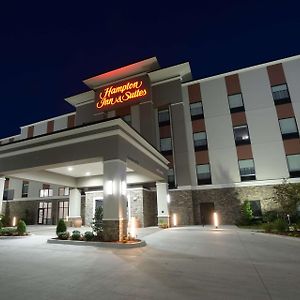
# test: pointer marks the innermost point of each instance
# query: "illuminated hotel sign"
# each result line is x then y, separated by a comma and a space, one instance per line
123, 93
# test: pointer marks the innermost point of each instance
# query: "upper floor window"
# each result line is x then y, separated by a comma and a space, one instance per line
288, 128
236, 103
46, 193
280, 93
63, 191
163, 117
203, 174
25, 187
247, 169
200, 140
127, 119
241, 135
196, 109
171, 178
166, 145
294, 165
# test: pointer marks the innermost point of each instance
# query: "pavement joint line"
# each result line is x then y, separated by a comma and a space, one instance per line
254, 267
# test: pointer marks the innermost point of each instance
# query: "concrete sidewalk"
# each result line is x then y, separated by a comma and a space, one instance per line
180, 263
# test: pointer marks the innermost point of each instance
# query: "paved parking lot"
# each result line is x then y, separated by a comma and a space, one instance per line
179, 263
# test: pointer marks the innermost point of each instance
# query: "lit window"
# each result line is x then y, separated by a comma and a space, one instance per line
241, 135
280, 94
247, 169
163, 117
203, 174
46, 193
63, 191
25, 186
200, 140
63, 209
236, 103
294, 165
166, 145
288, 128
196, 110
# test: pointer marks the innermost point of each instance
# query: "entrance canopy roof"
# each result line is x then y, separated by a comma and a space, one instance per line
75, 157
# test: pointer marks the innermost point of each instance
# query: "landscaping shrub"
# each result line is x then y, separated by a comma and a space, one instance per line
61, 227
270, 216
1, 225
268, 227
8, 231
21, 227
63, 235
88, 235
246, 213
76, 235
281, 225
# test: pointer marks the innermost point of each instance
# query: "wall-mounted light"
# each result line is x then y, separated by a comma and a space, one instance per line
168, 198
14, 222
109, 187
70, 169
216, 220
123, 188
132, 228
174, 220
88, 173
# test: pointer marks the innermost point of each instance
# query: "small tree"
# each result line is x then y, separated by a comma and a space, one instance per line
61, 227
21, 227
246, 213
287, 196
97, 224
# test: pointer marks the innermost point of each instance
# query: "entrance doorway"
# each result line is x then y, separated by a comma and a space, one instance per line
206, 213
45, 213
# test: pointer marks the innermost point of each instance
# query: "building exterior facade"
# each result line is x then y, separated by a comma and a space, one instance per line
218, 141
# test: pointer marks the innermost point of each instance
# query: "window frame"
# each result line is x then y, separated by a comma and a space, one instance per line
247, 177
203, 180
198, 116
164, 122
290, 135
200, 147
282, 100
296, 173
239, 108
25, 183
169, 151
241, 142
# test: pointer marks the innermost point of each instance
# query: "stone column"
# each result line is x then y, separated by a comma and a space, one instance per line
115, 200
2, 182
162, 202
75, 208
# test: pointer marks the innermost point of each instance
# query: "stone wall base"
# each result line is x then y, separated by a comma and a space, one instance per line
114, 230
163, 221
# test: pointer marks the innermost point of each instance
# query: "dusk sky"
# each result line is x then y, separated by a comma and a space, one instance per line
48, 50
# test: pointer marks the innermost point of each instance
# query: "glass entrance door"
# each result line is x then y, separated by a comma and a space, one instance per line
45, 213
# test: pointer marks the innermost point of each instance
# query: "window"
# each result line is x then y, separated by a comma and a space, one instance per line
63, 191
200, 140
25, 187
203, 174
127, 119
280, 94
236, 103
163, 117
166, 145
247, 170
171, 178
241, 135
256, 208
7, 193
294, 165
63, 209
46, 193
196, 110
288, 128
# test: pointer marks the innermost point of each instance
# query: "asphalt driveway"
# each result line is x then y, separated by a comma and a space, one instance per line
179, 263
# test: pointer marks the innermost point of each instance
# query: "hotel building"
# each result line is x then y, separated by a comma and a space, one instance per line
150, 143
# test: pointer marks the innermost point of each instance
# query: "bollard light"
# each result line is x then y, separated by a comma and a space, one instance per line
14, 222
132, 227
216, 220
168, 198
174, 220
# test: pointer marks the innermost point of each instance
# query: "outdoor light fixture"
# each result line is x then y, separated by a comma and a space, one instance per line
168, 198
109, 187
216, 220
14, 222
123, 188
70, 169
132, 228
174, 220
88, 173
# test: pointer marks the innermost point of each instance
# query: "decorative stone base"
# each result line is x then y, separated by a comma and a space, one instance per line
163, 222
114, 230
75, 221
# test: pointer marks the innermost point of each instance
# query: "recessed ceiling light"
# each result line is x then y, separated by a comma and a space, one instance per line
88, 173
70, 169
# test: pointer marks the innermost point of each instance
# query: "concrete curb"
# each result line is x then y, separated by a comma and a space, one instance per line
138, 244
